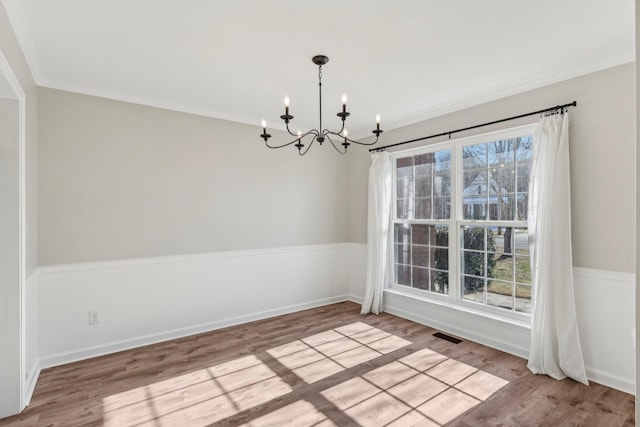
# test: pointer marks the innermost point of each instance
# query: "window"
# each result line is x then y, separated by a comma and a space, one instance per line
460, 221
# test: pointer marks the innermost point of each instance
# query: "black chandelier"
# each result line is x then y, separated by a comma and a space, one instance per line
319, 134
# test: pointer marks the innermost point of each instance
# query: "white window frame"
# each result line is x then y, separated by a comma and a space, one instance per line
454, 297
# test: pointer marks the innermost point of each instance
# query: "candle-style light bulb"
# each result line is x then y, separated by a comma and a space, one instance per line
299, 144
344, 102
345, 133
377, 121
286, 105
264, 126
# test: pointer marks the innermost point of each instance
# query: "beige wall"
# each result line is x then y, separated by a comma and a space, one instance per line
120, 180
603, 162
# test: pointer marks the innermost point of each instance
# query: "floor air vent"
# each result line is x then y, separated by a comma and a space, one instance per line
447, 337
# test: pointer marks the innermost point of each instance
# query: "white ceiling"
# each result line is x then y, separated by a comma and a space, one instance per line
406, 59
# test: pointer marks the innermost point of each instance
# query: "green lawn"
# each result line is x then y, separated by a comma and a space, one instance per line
504, 270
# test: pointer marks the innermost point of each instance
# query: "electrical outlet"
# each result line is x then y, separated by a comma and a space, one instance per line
94, 317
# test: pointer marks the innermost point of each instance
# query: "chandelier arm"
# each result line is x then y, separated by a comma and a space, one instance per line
363, 143
280, 146
302, 153
334, 144
351, 140
328, 132
310, 132
289, 130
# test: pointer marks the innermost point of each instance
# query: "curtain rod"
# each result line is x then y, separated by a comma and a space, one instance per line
545, 110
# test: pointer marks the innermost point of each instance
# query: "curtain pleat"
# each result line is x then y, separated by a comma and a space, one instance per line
379, 212
555, 343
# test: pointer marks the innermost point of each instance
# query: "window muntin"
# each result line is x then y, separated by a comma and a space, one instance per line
421, 256
423, 200
460, 218
496, 179
423, 186
495, 267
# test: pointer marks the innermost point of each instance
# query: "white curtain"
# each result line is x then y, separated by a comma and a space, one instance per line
555, 344
377, 231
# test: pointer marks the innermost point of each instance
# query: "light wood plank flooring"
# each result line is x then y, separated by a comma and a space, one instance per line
328, 366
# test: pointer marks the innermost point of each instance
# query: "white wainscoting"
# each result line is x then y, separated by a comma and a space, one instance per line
605, 304
357, 271
143, 301
32, 363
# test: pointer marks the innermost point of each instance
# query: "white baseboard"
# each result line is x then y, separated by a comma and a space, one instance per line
112, 347
611, 380
454, 328
355, 298
30, 384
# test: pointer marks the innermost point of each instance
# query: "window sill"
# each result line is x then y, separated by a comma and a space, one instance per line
444, 301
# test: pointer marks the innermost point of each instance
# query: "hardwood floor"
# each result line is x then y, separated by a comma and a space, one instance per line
321, 367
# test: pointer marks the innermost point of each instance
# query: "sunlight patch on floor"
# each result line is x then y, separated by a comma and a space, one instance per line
300, 413
321, 355
424, 388
197, 398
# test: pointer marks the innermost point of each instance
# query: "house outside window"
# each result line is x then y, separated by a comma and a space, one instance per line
460, 222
